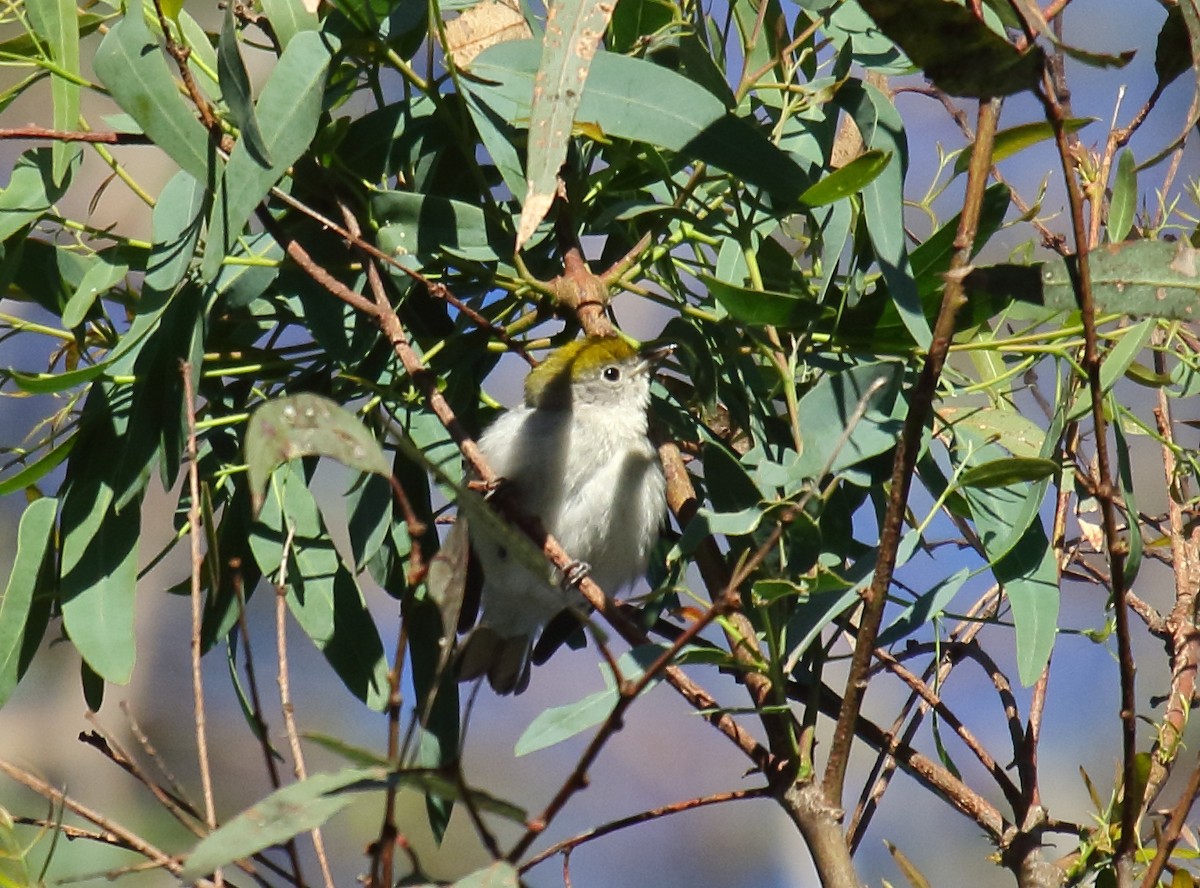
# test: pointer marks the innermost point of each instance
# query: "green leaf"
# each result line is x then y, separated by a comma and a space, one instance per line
850, 179
559, 723
706, 523
931, 259
1029, 575
1008, 427
573, 33
927, 606
30, 475
288, 18
1140, 278
322, 594
34, 537
48, 383
1118, 359
1133, 524
56, 22
15, 871
101, 277
1009, 141
762, 307
1007, 471
1123, 203
423, 224
307, 425
882, 129
825, 412
175, 226
30, 193
99, 577
956, 50
130, 63
288, 111
306, 805
294, 809
235, 89
1173, 51
638, 100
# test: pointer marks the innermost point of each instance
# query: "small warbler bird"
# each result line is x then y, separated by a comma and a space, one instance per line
575, 456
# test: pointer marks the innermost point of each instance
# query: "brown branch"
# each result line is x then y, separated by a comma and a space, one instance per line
1106, 495
1183, 638
723, 604
932, 775
108, 746
1175, 824
31, 133
972, 743
904, 462
180, 54
383, 850
885, 765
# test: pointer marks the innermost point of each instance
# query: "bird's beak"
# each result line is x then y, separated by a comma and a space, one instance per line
655, 354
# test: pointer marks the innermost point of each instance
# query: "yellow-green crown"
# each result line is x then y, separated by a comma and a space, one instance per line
573, 360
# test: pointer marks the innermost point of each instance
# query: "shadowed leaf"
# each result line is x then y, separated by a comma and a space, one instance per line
307, 425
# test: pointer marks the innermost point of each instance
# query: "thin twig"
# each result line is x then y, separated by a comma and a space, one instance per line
197, 602
122, 835
939, 671
261, 729
285, 693
32, 133
597, 832
1183, 638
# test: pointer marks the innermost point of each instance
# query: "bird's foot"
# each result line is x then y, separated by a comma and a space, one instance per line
574, 574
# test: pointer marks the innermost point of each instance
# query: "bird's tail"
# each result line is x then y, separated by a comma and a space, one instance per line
503, 659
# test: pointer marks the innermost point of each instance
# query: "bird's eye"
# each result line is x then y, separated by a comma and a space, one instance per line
611, 373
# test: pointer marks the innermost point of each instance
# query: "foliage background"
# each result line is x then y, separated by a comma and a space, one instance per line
639, 755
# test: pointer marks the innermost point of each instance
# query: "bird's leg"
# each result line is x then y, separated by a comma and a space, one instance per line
574, 575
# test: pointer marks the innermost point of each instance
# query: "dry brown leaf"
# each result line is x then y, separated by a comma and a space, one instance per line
484, 25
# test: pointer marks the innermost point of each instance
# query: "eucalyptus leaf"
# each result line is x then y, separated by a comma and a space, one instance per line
235, 89
134, 68
1123, 202
34, 539
850, 179
307, 425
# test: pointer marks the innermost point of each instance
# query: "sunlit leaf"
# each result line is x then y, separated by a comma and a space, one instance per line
573, 34
1123, 202
1007, 471
56, 22
1009, 141
34, 538
848, 180
133, 67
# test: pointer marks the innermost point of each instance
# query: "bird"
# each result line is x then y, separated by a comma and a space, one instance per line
576, 456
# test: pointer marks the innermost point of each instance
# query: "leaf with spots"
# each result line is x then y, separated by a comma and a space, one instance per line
307, 425
573, 32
